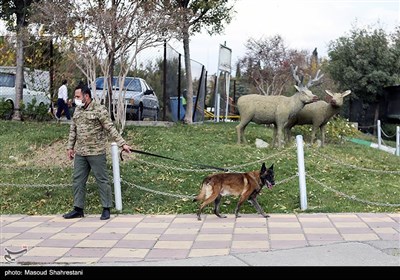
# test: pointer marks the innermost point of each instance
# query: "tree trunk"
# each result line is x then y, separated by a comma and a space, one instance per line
51, 72
188, 66
19, 75
111, 58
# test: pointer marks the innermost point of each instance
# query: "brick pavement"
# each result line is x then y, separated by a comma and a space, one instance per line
135, 238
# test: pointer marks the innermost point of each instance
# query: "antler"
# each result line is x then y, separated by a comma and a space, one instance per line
314, 81
299, 82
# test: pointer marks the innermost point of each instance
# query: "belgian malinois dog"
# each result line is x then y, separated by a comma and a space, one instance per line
246, 185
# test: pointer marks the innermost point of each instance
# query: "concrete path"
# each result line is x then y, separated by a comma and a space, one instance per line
344, 239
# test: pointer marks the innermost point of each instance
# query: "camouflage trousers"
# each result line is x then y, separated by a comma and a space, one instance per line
82, 167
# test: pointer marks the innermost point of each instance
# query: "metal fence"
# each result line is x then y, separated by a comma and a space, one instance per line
175, 84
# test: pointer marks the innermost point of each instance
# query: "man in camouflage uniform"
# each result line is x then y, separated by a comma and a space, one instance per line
87, 145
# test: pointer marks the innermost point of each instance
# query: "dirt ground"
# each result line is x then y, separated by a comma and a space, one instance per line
55, 155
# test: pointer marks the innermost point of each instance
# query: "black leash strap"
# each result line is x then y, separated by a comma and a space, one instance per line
154, 155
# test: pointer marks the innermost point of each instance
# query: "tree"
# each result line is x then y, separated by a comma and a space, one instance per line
365, 61
192, 16
16, 13
266, 65
7, 51
37, 55
395, 40
104, 33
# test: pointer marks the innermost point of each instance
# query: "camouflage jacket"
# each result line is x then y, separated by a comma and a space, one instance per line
89, 128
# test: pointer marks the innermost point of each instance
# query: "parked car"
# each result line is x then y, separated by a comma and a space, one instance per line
140, 98
35, 86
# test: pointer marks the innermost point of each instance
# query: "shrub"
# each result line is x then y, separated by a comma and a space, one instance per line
337, 129
5, 109
33, 111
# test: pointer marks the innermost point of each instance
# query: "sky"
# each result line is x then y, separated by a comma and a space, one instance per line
303, 24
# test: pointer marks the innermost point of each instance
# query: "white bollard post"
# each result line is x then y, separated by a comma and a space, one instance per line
302, 172
218, 106
379, 135
116, 175
398, 140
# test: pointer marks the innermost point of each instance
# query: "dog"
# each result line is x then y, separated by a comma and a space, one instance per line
246, 185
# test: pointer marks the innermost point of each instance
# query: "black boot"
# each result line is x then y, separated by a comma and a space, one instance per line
76, 213
106, 214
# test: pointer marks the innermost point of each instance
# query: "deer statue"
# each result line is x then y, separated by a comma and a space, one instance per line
318, 114
277, 109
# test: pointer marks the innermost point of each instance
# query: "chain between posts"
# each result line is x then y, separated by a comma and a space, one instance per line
356, 167
351, 197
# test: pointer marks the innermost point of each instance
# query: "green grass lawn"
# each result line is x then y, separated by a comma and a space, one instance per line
35, 176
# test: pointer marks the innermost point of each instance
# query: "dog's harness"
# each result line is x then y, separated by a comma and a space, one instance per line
261, 184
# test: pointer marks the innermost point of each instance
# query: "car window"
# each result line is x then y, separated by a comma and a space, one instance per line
7, 80
99, 83
133, 85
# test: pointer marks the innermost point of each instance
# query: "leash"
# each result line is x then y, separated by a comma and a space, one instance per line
159, 156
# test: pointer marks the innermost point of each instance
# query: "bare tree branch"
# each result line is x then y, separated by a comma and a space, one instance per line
106, 32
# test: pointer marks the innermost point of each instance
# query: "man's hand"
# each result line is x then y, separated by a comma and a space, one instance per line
70, 154
126, 148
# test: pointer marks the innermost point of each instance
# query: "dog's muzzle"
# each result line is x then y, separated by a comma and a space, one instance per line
268, 184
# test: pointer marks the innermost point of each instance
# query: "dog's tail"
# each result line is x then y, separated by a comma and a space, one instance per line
202, 195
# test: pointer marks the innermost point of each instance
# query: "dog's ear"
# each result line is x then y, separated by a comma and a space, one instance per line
272, 167
263, 168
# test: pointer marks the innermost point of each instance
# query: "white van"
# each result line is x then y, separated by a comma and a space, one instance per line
36, 85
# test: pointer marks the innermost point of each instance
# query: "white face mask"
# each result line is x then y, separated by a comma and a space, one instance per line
78, 102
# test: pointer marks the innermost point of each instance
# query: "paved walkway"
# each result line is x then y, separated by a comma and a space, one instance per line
126, 240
